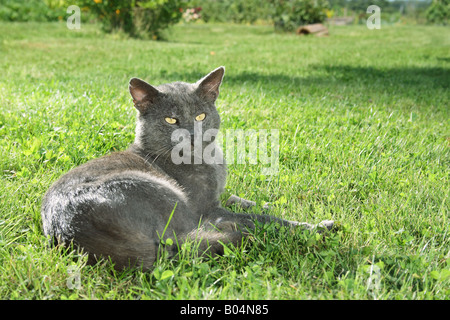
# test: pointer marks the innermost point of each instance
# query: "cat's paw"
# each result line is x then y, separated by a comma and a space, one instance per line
325, 225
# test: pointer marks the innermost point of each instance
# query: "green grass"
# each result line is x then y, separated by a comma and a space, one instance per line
364, 140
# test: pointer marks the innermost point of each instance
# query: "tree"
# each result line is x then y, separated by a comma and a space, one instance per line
439, 12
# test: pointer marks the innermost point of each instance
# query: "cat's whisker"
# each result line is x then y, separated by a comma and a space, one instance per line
161, 152
167, 153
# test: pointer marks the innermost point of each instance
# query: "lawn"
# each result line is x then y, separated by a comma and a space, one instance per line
364, 140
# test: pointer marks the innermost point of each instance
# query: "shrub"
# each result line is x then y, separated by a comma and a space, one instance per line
238, 11
137, 18
248, 11
288, 15
32, 10
439, 12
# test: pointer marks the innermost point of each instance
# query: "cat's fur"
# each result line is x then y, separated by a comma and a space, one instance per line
118, 206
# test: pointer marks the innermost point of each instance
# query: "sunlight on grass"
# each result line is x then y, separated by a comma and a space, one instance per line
364, 140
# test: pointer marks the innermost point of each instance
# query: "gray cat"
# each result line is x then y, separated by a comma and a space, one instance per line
119, 205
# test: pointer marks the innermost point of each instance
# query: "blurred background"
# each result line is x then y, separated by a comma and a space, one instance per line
150, 18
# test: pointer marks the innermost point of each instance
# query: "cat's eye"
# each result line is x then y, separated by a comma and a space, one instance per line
170, 120
200, 117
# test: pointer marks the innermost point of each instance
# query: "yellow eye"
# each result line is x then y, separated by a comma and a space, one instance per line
200, 117
170, 120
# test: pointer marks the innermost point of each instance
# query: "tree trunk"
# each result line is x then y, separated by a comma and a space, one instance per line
317, 29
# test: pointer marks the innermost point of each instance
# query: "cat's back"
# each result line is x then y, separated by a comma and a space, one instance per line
96, 169
93, 173
115, 168
118, 186
112, 206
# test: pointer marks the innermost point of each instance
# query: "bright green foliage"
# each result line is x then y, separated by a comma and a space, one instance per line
237, 11
145, 18
288, 15
439, 12
32, 10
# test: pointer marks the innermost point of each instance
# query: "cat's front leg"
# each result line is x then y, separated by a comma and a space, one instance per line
221, 227
243, 221
248, 204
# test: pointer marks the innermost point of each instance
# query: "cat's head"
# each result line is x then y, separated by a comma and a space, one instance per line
169, 107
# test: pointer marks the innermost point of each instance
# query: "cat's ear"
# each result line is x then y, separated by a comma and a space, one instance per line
208, 86
143, 94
